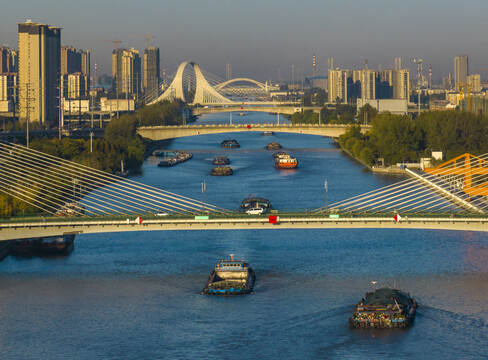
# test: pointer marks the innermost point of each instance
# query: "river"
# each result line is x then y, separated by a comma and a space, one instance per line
137, 295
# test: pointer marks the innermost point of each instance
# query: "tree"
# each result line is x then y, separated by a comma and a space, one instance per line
366, 114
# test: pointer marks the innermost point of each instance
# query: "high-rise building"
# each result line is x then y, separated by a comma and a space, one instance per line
461, 70
337, 86
475, 82
131, 71
39, 71
401, 84
68, 60
84, 62
76, 86
73, 61
126, 71
367, 78
8, 60
8, 87
384, 84
151, 73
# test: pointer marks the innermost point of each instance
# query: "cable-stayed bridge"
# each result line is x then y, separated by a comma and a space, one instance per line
86, 200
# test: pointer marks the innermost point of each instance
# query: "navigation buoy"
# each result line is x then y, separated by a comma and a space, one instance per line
397, 217
139, 220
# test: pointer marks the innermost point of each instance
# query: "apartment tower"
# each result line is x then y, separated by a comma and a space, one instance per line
460, 70
151, 73
39, 71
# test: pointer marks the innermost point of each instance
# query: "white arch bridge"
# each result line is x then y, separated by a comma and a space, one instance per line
211, 90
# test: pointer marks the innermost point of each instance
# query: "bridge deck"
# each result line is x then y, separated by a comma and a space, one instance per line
12, 231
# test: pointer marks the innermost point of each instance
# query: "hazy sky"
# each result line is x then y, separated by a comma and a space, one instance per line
261, 38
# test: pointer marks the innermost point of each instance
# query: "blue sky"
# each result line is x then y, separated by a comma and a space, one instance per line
261, 38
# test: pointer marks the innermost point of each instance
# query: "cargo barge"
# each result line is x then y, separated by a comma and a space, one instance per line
221, 171
51, 245
273, 146
230, 144
253, 202
230, 277
221, 160
173, 158
384, 308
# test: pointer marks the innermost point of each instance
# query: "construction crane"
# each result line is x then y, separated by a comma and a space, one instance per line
116, 42
146, 36
461, 94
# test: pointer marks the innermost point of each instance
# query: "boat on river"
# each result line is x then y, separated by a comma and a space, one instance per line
50, 245
230, 277
279, 154
57, 245
221, 171
254, 202
268, 133
221, 160
171, 158
273, 146
230, 144
285, 161
384, 308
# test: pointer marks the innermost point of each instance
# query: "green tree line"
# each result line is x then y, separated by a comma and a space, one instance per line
397, 138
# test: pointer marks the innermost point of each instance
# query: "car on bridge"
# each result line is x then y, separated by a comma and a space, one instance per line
255, 211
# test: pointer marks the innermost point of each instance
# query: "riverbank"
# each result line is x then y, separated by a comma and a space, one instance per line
392, 170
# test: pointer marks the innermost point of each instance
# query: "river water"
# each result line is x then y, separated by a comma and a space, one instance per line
137, 295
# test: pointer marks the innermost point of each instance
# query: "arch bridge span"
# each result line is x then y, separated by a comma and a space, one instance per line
12, 231
172, 132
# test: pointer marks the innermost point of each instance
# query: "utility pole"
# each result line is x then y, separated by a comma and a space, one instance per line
61, 110
92, 105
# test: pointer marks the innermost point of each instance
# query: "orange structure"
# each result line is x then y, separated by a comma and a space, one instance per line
469, 171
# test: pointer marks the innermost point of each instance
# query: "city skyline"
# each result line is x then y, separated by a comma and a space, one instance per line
263, 39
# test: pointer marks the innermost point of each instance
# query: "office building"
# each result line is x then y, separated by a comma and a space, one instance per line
460, 70
151, 73
39, 71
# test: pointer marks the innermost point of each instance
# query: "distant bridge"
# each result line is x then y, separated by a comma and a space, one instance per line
171, 132
277, 108
11, 231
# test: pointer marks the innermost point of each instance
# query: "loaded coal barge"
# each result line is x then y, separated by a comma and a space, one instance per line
385, 308
230, 144
221, 171
171, 158
252, 202
221, 160
273, 146
230, 277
